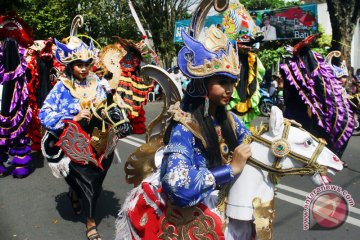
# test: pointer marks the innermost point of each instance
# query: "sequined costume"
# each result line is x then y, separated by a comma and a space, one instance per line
16, 113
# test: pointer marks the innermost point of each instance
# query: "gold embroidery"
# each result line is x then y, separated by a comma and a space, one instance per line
98, 140
264, 214
86, 95
189, 222
187, 120
140, 163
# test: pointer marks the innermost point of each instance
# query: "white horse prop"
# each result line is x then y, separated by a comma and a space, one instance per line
286, 149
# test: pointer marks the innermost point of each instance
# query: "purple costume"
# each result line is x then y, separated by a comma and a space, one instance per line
15, 111
313, 97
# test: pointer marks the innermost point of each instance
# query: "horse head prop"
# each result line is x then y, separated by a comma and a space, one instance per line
285, 149
111, 112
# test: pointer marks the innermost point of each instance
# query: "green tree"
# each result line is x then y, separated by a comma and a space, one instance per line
52, 18
268, 4
270, 53
343, 17
159, 17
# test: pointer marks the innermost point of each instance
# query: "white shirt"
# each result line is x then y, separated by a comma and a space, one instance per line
105, 84
269, 32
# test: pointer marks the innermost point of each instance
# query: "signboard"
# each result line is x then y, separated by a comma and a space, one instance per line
184, 25
286, 23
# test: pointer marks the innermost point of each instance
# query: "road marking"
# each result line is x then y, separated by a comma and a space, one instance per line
136, 139
305, 194
300, 203
130, 142
278, 195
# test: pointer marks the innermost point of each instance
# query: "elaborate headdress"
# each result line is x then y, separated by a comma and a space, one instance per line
75, 49
216, 56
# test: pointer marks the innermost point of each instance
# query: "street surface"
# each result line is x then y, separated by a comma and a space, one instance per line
37, 208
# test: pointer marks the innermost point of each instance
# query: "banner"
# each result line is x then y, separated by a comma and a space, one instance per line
286, 23
184, 25
295, 22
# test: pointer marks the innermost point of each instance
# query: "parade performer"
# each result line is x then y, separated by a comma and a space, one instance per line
39, 84
83, 126
246, 96
131, 86
15, 36
203, 151
314, 96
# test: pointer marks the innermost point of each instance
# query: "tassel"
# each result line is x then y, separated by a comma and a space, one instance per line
206, 107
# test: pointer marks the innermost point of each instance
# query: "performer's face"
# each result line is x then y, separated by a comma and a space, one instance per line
220, 89
81, 70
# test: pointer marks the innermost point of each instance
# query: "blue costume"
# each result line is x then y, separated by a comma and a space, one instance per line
84, 168
61, 105
185, 176
179, 200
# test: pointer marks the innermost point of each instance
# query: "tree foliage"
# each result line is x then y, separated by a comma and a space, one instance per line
52, 18
159, 17
105, 18
268, 4
270, 53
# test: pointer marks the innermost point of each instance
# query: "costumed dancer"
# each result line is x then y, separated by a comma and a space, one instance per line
132, 87
239, 26
15, 36
203, 152
314, 97
39, 84
83, 126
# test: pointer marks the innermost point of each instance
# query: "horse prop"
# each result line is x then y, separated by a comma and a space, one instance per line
285, 149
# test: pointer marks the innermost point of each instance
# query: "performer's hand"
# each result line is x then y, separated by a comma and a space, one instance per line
240, 156
84, 113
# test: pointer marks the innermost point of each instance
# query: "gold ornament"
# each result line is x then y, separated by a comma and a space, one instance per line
228, 62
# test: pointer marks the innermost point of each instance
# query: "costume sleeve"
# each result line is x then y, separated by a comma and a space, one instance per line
240, 128
185, 183
51, 115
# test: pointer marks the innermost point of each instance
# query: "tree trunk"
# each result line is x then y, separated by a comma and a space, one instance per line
343, 17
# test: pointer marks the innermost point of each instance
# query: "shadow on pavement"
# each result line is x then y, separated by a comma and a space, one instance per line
37, 160
107, 205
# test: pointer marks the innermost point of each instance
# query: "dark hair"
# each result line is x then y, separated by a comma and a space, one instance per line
68, 69
108, 76
195, 105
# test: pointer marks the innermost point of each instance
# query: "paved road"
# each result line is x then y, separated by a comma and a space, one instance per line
36, 208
